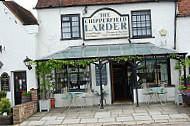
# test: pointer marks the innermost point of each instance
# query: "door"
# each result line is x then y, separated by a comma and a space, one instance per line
19, 85
122, 77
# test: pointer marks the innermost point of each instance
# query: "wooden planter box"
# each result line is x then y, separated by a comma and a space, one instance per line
26, 98
186, 99
6, 120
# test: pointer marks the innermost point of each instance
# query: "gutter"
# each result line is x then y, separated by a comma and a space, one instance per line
175, 25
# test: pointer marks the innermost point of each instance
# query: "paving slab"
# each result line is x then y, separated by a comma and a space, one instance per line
178, 120
102, 114
36, 123
160, 117
71, 121
54, 122
106, 120
24, 123
49, 118
123, 119
142, 118
60, 118
35, 118
129, 123
155, 113
178, 116
161, 121
140, 114
144, 122
94, 120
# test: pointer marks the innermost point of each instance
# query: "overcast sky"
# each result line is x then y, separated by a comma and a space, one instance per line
28, 4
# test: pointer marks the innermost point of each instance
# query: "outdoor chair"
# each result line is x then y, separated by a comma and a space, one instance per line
163, 90
146, 93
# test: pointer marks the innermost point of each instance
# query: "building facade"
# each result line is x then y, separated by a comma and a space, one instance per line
91, 29
183, 31
18, 38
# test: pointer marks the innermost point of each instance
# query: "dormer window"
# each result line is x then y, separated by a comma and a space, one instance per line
70, 27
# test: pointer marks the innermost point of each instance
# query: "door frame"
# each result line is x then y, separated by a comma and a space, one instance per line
14, 89
112, 79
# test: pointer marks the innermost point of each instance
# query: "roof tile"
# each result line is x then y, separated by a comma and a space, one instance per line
65, 3
21, 13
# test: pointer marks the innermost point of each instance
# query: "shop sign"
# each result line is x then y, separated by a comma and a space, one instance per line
5, 82
105, 24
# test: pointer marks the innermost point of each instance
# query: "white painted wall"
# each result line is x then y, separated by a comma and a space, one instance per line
162, 14
49, 40
19, 41
183, 33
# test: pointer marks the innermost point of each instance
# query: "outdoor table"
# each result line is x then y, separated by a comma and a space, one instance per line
73, 95
154, 94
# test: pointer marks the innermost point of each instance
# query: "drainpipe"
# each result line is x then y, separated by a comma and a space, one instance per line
175, 25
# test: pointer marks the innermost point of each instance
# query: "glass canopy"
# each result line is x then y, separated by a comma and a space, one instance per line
93, 51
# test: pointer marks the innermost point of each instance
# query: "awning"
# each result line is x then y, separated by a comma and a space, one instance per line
93, 51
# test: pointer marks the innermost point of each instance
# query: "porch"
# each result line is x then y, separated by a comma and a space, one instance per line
118, 114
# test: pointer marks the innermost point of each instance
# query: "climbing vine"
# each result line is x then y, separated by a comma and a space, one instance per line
45, 69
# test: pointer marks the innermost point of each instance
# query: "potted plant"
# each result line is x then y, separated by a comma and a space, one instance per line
6, 117
26, 96
46, 87
185, 91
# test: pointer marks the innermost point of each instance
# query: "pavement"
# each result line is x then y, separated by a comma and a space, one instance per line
114, 115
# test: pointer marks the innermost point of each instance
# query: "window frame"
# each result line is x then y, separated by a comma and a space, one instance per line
146, 27
71, 31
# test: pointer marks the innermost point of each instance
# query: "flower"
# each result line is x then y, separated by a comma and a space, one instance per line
184, 90
31, 89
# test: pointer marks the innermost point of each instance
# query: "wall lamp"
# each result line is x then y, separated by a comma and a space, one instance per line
1, 64
27, 62
2, 48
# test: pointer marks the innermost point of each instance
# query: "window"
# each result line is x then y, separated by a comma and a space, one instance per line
153, 72
141, 24
73, 78
70, 26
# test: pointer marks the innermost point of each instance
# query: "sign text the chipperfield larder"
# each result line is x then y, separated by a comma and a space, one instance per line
106, 24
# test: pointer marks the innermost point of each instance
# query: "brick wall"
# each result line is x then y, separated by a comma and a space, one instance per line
184, 7
25, 110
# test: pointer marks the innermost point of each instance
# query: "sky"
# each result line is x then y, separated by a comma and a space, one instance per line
28, 4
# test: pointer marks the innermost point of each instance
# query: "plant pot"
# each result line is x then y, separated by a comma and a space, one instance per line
26, 98
186, 99
52, 103
6, 120
44, 105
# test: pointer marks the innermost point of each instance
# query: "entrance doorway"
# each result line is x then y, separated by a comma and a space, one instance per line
19, 85
122, 82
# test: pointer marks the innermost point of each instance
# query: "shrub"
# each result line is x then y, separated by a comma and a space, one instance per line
3, 94
5, 106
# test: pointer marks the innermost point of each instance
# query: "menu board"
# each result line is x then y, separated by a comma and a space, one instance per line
5, 82
104, 75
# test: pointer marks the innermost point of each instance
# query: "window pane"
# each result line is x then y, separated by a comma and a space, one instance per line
66, 35
75, 34
75, 18
66, 24
75, 29
75, 23
66, 29
147, 17
65, 18
133, 18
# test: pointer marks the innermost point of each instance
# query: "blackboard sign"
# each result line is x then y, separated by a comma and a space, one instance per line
5, 82
104, 75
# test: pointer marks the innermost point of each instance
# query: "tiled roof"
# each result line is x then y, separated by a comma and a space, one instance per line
184, 7
66, 3
21, 13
